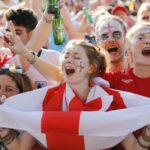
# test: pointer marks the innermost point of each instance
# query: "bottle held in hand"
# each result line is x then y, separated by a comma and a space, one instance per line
88, 15
58, 28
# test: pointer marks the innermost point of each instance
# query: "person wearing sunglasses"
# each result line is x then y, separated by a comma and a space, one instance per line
110, 34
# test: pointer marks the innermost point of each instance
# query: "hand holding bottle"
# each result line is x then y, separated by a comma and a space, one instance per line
58, 28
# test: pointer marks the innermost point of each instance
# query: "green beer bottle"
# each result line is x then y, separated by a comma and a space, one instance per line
88, 15
52, 6
58, 28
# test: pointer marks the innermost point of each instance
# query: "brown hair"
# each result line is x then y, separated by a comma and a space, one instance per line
22, 81
135, 28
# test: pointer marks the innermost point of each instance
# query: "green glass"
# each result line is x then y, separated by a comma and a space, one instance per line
88, 15
52, 6
58, 28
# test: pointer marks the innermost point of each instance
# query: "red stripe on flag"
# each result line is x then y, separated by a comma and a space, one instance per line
60, 141
61, 130
54, 121
118, 102
53, 98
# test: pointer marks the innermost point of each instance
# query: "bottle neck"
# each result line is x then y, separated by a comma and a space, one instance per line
57, 14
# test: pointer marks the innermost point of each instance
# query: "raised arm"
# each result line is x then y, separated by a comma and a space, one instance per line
40, 33
72, 31
49, 71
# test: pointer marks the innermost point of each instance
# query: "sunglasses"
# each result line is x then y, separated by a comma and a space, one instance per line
116, 35
146, 17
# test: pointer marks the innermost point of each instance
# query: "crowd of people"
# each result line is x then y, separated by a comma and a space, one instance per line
97, 59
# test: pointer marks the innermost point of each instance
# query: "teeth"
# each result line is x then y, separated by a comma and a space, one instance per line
146, 48
68, 67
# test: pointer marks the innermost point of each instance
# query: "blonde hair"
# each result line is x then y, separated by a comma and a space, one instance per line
143, 8
109, 17
135, 28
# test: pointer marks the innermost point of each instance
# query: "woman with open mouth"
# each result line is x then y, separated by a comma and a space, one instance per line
81, 63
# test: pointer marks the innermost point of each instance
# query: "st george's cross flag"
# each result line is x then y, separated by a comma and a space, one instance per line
59, 120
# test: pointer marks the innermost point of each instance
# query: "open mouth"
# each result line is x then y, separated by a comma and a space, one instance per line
70, 71
114, 49
146, 52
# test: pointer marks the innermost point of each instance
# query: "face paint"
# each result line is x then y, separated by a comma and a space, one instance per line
144, 31
81, 67
109, 27
142, 35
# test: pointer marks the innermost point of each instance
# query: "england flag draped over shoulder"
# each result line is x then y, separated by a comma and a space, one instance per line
53, 116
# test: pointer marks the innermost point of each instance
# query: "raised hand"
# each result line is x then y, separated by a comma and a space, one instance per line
13, 42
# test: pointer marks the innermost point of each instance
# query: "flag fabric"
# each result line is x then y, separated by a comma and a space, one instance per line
57, 118
5, 55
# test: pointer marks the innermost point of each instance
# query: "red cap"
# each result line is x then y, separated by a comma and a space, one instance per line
119, 8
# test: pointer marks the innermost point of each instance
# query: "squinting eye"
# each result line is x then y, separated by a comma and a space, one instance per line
9, 90
77, 57
146, 17
117, 34
18, 33
65, 57
104, 37
140, 38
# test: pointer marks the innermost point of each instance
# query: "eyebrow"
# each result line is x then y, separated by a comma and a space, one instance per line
9, 86
76, 53
17, 30
142, 34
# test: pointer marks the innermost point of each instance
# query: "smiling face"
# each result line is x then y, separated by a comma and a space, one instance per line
111, 39
75, 65
140, 46
7, 86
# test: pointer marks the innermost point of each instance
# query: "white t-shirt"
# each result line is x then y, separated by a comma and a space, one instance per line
51, 56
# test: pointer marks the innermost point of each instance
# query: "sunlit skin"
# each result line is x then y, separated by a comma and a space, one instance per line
75, 65
21, 32
107, 28
140, 47
7, 86
145, 16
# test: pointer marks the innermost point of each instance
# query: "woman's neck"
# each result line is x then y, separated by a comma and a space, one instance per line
117, 66
82, 90
142, 71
